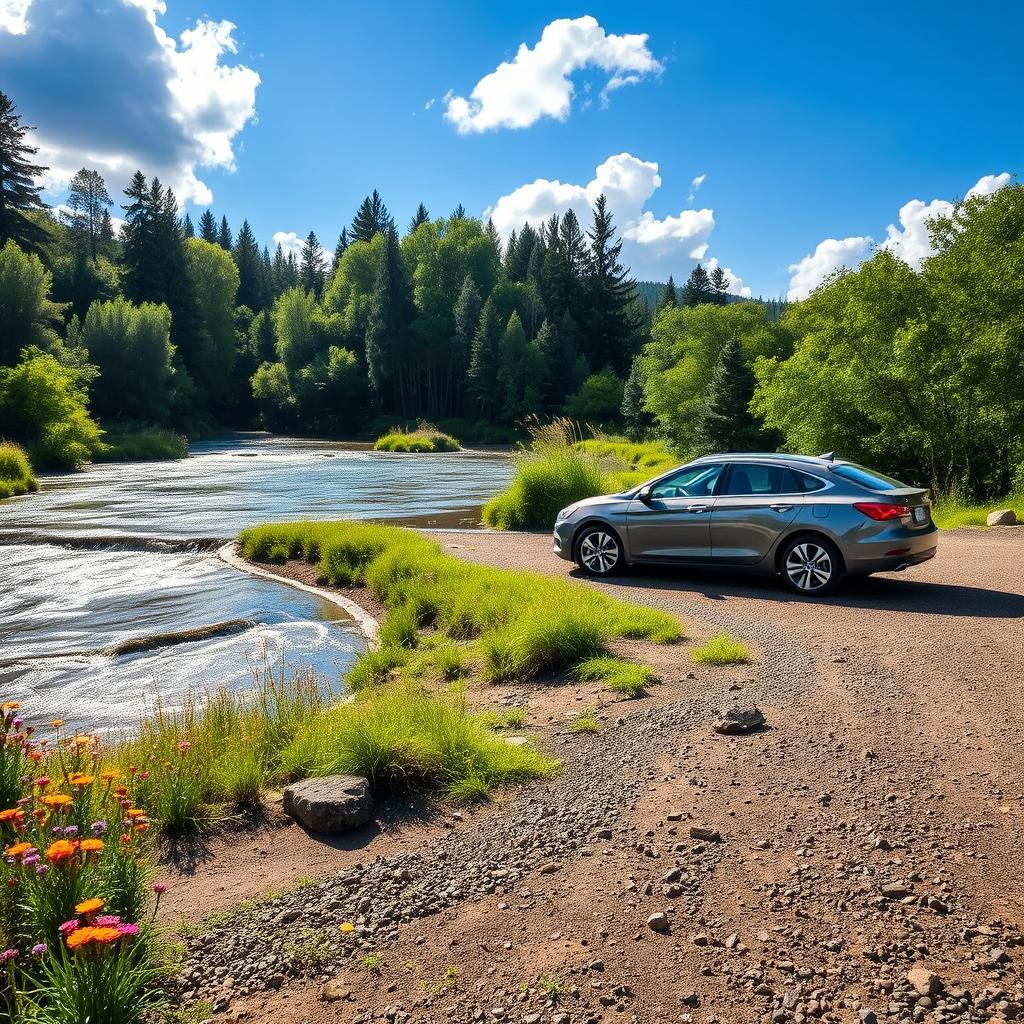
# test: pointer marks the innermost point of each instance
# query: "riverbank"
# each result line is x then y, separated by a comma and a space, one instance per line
803, 871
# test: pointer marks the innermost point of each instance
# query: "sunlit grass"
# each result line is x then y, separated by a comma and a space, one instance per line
426, 438
585, 722
16, 476
625, 677
953, 512
721, 649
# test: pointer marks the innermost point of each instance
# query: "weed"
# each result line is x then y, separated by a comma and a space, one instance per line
622, 676
722, 649
585, 722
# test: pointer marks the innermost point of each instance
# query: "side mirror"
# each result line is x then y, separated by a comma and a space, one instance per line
644, 495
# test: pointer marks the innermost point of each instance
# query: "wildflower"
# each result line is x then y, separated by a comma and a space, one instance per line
82, 741
61, 851
89, 906
29, 859
17, 849
10, 705
68, 927
8, 954
107, 921
90, 934
346, 926
77, 779
57, 800
34, 755
128, 930
98, 828
159, 888
120, 791
71, 830
135, 812
142, 826
42, 869
17, 723
39, 949
144, 776
11, 814
43, 781
184, 746
57, 723
109, 775
91, 845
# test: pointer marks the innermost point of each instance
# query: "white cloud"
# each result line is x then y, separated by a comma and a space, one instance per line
108, 88
829, 256
289, 242
652, 247
430, 103
736, 285
537, 82
695, 186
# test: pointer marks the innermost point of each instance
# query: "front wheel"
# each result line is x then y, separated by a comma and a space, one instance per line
812, 566
599, 551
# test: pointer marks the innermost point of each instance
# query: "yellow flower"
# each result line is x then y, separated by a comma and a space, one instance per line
89, 906
346, 926
10, 705
82, 780
57, 723
109, 775
57, 800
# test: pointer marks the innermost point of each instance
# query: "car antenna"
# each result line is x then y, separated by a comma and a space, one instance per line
831, 456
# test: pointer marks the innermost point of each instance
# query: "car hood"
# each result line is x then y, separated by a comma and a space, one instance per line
601, 500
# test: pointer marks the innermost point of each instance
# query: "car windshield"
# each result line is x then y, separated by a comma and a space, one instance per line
869, 478
691, 482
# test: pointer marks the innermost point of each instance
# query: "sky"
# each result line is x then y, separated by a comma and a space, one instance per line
778, 143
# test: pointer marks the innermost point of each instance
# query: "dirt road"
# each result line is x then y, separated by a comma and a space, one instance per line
862, 854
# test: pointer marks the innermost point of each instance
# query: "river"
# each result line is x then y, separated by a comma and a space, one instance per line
122, 553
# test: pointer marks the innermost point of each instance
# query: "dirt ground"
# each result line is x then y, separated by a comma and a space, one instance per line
872, 828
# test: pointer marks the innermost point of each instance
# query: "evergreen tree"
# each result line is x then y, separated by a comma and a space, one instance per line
311, 266
19, 193
187, 227
728, 425
391, 313
459, 213
719, 287
250, 270
492, 233
698, 290
521, 373
611, 330
639, 422
339, 249
88, 200
419, 217
224, 235
208, 228
107, 241
482, 380
520, 248
467, 312
372, 218
668, 298
143, 270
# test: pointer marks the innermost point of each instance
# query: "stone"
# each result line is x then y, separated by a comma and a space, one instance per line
658, 923
1002, 517
329, 805
550, 868
336, 989
707, 835
923, 981
739, 720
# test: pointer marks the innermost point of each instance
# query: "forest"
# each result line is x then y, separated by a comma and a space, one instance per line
164, 326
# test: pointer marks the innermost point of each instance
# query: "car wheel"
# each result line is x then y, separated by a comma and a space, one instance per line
812, 566
599, 551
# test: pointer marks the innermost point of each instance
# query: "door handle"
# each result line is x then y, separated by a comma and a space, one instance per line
696, 508
780, 508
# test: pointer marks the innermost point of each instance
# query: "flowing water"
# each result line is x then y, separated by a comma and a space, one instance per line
102, 571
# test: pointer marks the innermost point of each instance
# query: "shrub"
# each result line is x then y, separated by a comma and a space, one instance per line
424, 438
16, 476
585, 722
622, 676
954, 511
143, 444
721, 649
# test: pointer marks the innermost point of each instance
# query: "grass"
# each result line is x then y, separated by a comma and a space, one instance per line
625, 677
585, 722
721, 649
514, 718
141, 444
560, 468
424, 438
953, 512
16, 476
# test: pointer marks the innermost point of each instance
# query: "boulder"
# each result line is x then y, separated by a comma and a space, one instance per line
1002, 517
739, 720
329, 805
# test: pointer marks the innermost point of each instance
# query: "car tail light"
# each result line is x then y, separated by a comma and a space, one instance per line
881, 510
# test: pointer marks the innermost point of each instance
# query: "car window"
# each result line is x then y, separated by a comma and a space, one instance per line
692, 482
757, 480
868, 478
805, 483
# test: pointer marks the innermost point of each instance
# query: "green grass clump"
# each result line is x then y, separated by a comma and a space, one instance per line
626, 677
585, 722
424, 438
16, 476
953, 511
144, 444
722, 649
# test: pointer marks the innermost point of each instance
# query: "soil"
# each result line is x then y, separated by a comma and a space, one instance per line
856, 859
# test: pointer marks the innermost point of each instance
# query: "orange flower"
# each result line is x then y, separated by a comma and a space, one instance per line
109, 775
17, 849
82, 780
60, 851
10, 705
34, 755
90, 846
57, 800
82, 741
142, 826
88, 935
12, 814
57, 723
135, 812
120, 790
89, 906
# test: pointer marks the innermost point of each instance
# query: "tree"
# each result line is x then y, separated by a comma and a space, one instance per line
251, 285
311, 265
80, 282
598, 399
188, 229
208, 227
388, 327
468, 309
273, 396
27, 316
131, 346
728, 425
520, 373
19, 193
224, 235
107, 241
634, 412
558, 346
485, 360
88, 201
719, 286
295, 329
459, 213
668, 298
419, 217
698, 290
339, 249
372, 218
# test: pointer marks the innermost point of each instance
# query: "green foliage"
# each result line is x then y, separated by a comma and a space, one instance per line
586, 722
728, 425
19, 191
27, 316
16, 476
721, 649
141, 444
953, 511
626, 677
425, 438
598, 399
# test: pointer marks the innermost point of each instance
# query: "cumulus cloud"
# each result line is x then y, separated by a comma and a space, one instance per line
538, 82
735, 285
290, 243
695, 186
830, 255
108, 88
652, 246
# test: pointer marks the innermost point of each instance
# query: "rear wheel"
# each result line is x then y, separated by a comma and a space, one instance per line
599, 551
811, 566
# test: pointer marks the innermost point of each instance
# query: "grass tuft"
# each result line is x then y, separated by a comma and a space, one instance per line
426, 438
585, 722
622, 676
16, 476
141, 444
722, 649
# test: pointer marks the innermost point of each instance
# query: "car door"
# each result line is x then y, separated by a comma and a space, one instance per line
755, 504
673, 523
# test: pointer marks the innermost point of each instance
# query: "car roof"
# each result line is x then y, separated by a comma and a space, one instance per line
810, 460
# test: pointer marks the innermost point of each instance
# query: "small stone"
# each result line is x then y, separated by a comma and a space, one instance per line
658, 923
707, 835
923, 981
335, 989
550, 868
867, 1017
739, 720
690, 999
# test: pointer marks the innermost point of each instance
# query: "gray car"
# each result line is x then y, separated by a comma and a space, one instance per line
810, 520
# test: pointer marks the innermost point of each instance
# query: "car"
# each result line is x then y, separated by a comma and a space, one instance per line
810, 520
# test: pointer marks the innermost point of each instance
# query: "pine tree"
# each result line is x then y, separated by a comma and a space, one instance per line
311, 266
520, 248
19, 193
467, 312
107, 241
391, 312
698, 290
143, 279
208, 228
372, 218
88, 200
459, 213
482, 379
728, 424
250, 270
339, 249
492, 233
563, 362
668, 298
419, 217
188, 227
720, 286
638, 420
224, 235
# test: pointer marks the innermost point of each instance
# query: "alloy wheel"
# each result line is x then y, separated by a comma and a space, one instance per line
809, 566
599, 552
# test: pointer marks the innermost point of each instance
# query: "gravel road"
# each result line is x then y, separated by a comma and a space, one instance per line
857, 860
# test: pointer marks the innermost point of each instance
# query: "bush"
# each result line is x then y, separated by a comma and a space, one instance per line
425, 438
16, 476
722, 649
143, 444
954, 511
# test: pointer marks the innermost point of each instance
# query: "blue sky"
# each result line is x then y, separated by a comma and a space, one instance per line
811, 122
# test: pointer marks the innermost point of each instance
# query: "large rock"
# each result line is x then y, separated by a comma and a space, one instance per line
739, 720
332, 804
923, 981
1002, 517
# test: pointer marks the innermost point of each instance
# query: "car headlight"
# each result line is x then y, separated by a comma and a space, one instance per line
565, 513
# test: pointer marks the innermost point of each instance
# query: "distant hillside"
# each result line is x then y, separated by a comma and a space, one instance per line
650, 292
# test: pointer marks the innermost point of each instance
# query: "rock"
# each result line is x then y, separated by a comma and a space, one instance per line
707, 835
1002, 517
739, 720
550, 868
336, 989
658, 923
867, 1017
329, 805
690, 999
923, 981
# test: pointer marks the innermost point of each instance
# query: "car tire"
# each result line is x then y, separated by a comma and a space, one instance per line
599, 551
811, 566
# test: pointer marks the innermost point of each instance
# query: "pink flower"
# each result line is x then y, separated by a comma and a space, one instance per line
159, 888
128, 930
107, 921
8, 954
68, 927
184, 746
